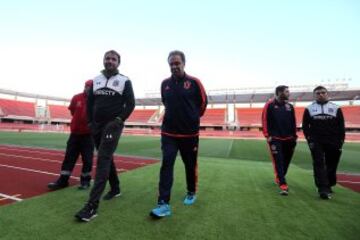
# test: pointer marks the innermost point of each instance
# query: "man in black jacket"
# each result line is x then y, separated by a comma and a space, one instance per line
185, 102
324, 129
110, 103
279, 129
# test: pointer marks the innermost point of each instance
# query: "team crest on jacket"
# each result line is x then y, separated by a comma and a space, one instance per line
167, 87
187, 84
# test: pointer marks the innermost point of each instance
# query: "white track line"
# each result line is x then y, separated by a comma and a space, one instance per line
34, 171
51, 151
32, 158
11, 197
33, 150
348, 182
62, 155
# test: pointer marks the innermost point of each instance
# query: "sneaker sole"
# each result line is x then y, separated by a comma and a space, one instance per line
115, 196
86, 219
284, 193
188, 204
158, 216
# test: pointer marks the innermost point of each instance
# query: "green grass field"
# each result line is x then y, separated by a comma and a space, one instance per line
237, 198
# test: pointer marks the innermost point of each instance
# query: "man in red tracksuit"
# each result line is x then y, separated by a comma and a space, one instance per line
185, 102
79, 142
279, 129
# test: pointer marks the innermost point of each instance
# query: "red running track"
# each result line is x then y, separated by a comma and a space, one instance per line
349, 180
26, 171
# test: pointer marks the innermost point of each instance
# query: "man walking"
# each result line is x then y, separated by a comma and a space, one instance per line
110, 103
185, 102
279, 129
324, 130
79, 143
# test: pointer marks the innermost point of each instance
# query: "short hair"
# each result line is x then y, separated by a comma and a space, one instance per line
115, 53
319, 88
179, 53
280, 88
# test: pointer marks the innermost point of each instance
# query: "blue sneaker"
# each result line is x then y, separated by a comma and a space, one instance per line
189, 199
162, 210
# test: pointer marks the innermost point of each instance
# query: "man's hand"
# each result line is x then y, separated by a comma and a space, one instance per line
119, 120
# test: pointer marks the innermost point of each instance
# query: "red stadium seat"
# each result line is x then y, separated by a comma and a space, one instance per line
17, 108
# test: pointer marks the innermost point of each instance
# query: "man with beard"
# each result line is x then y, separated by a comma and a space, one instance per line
324, 130
110, 103
279, 129
185, 102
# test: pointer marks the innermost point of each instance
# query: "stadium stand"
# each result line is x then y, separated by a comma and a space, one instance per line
351, 116
248, 117
214, 116
17, 109
299, 112
230, 113
59, 113
141, 115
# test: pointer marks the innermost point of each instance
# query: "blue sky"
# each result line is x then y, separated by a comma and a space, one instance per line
53, 47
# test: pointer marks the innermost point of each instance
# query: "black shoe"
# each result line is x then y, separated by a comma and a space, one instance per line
57, 185
112, 194
84, 186
325, 195
87, 213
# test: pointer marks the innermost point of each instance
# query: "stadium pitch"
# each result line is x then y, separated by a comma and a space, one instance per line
237, 198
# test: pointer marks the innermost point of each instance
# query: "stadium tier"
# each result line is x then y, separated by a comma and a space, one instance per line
141, 115
214, 116
351, 116
59, 112
248, 117
17, 109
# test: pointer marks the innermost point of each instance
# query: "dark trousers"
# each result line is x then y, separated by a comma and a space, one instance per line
78, 144
188, 148
106, 140
325, 162
281, 152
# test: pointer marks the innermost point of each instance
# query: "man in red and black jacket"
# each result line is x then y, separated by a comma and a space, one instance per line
79, 142
185, 102
279, 129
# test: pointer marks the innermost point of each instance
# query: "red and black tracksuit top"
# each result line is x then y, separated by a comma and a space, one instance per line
278, 120
185, 102
77, 109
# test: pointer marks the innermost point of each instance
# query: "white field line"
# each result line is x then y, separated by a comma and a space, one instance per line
14, 197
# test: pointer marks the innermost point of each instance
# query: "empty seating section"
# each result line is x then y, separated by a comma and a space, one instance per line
59, 112
141, 115
351, 116
214, 116
17, 108
248, 117
299, 112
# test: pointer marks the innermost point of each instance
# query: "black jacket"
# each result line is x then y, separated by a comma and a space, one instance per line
185, 102
324, 123
278, 120
110, 98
